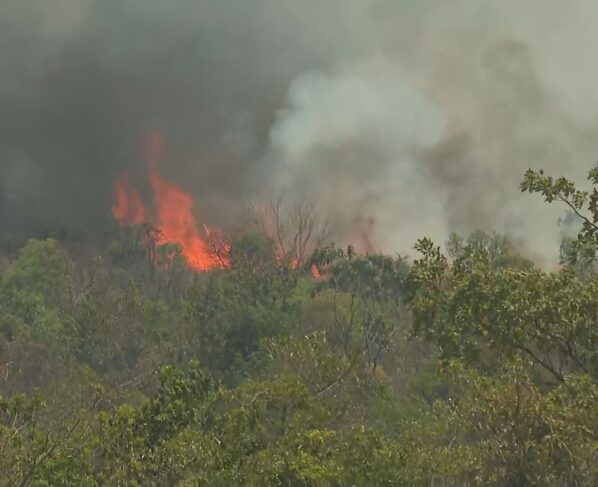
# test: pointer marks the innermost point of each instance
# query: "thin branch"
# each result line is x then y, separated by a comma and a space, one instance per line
576, 211
544, 364
332, 383
49, 450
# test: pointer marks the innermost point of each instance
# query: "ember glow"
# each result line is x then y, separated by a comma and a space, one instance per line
173, 215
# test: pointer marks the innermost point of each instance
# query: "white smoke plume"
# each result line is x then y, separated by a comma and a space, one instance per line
435, 135
351, 141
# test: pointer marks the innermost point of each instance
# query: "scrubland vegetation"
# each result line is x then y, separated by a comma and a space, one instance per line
120, 366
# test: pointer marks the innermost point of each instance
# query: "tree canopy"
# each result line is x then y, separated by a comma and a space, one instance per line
465, 366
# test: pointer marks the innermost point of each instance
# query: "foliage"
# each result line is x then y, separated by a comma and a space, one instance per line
582, 203
483, 314
301, 366
367, 293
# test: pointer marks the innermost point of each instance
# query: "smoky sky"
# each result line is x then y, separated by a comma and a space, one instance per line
421, 115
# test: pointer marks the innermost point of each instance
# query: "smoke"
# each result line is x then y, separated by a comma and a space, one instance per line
351, 140
418, 116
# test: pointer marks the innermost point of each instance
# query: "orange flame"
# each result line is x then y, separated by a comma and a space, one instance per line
315, 273
127, 207
173, 216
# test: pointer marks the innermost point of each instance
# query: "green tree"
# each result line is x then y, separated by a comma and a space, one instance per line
582, 203
366, 294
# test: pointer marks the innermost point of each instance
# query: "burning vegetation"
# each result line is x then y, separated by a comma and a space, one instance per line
172, 214
171, 219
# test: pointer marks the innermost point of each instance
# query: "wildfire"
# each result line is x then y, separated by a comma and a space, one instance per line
173, 215
267, 221
127, 207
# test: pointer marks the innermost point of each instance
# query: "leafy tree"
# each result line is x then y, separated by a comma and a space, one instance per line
33, 287
582, 203
42, 268
367, 299
497, 250
474, 311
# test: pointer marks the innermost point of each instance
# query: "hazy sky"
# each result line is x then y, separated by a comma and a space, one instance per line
423, 115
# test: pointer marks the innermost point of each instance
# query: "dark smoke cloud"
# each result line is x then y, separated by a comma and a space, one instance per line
421, 115
86, 80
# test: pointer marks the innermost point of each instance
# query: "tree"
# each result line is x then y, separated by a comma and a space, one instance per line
483, 314
520, 345
583, 204
367, 299
296, 232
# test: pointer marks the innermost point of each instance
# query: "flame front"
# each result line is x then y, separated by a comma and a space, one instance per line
173, 214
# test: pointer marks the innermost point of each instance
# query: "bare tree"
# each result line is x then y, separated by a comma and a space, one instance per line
219, 246
296, 230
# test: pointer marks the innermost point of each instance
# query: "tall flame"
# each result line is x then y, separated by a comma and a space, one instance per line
173, 214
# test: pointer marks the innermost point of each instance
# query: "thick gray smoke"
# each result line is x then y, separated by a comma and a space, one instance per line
421, 115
